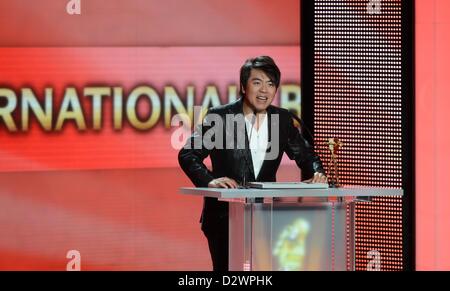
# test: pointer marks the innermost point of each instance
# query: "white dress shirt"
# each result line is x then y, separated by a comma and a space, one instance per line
258, 140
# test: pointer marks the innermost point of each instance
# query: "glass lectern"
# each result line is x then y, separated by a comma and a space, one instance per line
292, 229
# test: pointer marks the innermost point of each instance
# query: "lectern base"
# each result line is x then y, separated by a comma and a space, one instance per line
306, 235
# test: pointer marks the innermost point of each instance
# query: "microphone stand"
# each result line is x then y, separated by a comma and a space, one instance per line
303, 125
254, 117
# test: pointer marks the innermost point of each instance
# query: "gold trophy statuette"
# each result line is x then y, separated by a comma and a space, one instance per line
333, 175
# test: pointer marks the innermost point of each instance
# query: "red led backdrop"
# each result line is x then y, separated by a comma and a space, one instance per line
356, 64
116, 216
375, 106
91, 121
150, 23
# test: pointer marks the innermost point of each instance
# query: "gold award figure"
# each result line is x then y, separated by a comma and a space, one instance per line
334, 144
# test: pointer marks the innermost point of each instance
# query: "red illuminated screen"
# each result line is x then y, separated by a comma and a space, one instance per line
432, 135
108, 108
80, 180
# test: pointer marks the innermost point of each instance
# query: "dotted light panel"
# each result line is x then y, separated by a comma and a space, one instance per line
358, 99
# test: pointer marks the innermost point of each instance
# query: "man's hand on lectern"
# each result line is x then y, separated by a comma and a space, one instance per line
223, 182
317, 178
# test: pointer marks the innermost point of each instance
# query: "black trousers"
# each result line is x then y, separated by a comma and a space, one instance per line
218, 244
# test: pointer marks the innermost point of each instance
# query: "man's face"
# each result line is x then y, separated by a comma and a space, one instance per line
259, 91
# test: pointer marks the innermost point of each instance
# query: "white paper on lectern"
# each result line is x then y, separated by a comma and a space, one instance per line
287, 185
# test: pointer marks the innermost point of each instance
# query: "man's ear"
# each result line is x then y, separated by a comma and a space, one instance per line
242, 89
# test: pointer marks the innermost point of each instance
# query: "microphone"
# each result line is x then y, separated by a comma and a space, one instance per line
303, 125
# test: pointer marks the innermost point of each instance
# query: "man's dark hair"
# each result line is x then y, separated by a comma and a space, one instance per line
263, 63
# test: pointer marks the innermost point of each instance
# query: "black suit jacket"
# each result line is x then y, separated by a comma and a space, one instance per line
237, 162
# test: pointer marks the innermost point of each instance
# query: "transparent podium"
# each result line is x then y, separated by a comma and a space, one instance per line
292, 229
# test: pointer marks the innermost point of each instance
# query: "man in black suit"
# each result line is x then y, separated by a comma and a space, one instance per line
245, 140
